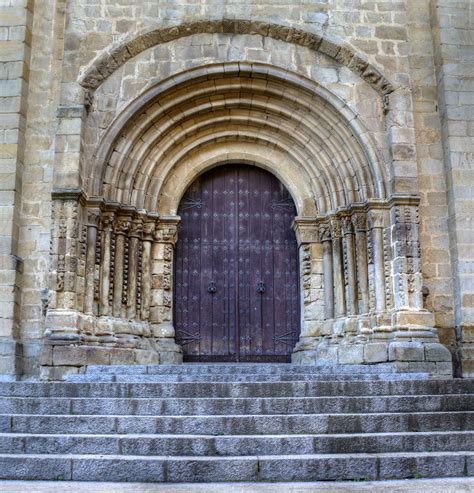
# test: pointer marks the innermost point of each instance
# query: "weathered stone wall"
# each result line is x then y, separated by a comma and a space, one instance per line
422, 47
453, 37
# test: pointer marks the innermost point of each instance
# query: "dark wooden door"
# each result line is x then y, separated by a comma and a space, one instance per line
236, 269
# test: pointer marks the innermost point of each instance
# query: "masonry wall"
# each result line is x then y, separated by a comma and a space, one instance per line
423, 45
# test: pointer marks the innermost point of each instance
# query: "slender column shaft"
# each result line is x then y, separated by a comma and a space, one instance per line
351, 302
338, 272
132, 278
104, 308
122, 226
90, 269
118, 275
376, 220
362, 270
146, 280
328, 280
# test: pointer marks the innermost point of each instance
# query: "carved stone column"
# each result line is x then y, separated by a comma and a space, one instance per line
376, 225
148, 232
105, 264
135, 234
161, 305
326, 241
338, 272
311, 282
359, 220
93, 217
350, 266
121, 228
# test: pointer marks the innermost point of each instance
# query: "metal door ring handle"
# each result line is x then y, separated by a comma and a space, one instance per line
261, 287
212, 288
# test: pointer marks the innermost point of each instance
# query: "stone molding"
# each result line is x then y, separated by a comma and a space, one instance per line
116, 55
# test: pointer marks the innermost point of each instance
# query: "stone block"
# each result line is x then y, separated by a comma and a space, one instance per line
376, 352
170, 358
69, 356
437, 352
144, 357
327, 353
406, 351
304, 357
351, 354
407, 318
46, 357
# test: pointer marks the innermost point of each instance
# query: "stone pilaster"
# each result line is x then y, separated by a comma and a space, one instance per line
161, 298
311, 288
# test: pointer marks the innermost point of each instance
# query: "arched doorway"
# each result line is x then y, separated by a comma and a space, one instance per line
236, 268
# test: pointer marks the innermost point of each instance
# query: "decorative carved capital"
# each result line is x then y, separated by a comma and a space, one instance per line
166, 230
324, 232
347, 228
306, 230
359, 220
107, 221
136, 227
149, 229
376, 219
122, 226
93, 217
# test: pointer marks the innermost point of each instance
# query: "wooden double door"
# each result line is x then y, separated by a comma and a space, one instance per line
236, 268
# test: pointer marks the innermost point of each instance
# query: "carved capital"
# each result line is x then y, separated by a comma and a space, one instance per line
107, 221
306, 230
136, 227
93, 217
166, 230
122, 225
376, 219
324, 232
347, 227
149, 229
359, 220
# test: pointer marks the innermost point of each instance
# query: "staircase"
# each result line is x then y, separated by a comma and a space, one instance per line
228, 422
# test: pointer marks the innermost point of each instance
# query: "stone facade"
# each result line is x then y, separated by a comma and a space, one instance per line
110, 110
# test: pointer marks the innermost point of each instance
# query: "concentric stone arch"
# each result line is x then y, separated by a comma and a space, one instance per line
117, 54
239, 102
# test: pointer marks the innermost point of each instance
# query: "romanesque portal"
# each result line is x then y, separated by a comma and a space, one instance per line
114, 240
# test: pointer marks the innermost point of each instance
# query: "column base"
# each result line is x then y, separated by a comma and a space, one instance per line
74, 340
405, 342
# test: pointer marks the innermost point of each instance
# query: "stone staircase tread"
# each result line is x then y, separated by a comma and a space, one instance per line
257, 436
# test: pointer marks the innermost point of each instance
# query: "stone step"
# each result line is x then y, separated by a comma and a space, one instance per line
235, 406
317, 467
247, 389
240, 425
246, 377
236, 445
239, 368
